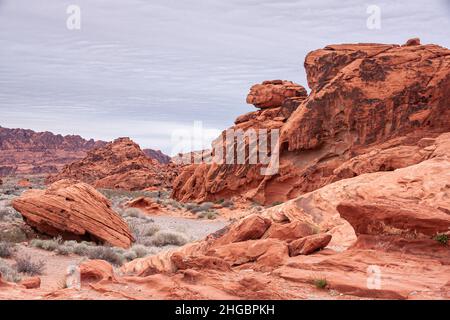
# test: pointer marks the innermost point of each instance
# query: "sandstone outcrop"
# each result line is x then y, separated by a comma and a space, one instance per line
73, 211
309, 244
371, 108
31, 283
157, 155
272, 93
120, 164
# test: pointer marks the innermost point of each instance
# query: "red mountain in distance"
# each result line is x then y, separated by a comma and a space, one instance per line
24, 151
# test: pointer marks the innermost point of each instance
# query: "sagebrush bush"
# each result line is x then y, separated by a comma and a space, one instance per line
8, 273
140, 250
13, 233
210, 215
163, 238
81, 249
25, 264
107, 254
227, 204
64, 250
6, 249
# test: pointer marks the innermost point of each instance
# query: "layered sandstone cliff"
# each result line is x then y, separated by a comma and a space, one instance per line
365, 98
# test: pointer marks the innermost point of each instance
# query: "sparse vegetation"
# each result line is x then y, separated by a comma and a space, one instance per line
6, 249
442, 238
276, 203
9, 273
227, 204
25, 264
106, 253
163, 238
320, 283
210, 215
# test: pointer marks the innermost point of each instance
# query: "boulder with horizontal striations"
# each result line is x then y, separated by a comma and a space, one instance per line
74, 211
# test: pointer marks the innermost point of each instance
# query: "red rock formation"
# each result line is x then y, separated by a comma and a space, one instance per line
157, 155
309, 244
31, 283
272, 94
73, 211
28, 152
119, 164
365, 98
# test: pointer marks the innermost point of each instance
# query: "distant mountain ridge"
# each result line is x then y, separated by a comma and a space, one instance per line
24, 151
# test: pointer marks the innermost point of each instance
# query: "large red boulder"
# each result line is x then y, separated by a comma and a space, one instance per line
73, 211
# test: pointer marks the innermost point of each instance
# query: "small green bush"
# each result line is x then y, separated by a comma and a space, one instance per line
442, 238
320, 283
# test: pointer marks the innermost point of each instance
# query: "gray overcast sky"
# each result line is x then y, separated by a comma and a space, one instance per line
143, 68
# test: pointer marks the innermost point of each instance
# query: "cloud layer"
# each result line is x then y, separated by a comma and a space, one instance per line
142, 68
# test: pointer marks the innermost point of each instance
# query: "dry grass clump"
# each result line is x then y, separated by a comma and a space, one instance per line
107, 254
25, 264
164, 238
9, 273
6, 249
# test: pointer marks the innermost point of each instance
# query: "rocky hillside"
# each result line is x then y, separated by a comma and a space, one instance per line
157, 155
28, 152
25, 151
120, 164
365, 99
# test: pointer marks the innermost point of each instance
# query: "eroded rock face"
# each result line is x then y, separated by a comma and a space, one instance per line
73, 211
119, 164
272, 94
384, 99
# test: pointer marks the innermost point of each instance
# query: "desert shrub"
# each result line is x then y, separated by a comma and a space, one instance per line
6, 249
227, 204
320, 283
163, 238
205, 206
149, 230
25, 264
210, 215
189, 206
276, 203
132, 212
442, 238
13, 234
139, 250
48, 245
63, 250
130, 255
81, 249
107, 254
8, 213
8, 273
